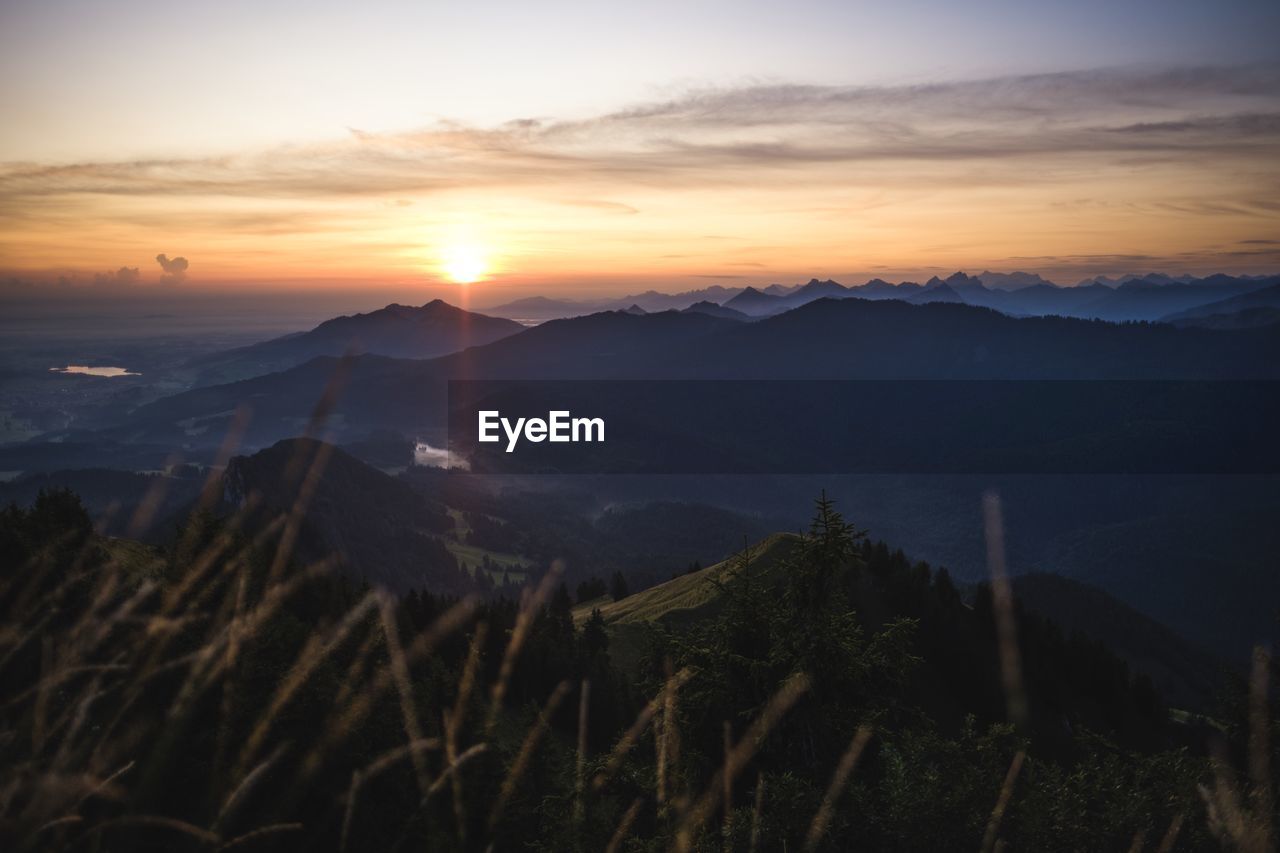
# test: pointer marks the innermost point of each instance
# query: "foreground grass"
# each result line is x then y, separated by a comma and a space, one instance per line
217, 696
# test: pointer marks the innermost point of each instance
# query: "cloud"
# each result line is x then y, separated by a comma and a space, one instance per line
603, 205
175, 269
718, 137
123, 276
1142, 161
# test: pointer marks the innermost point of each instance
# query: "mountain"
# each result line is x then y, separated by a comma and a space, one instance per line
878, 288
652, 301
815, 289
1065, 679
1187, 676
1248, 318
825, 339
1151, 278
1039, 300
408, 396
1149, 297
754, 303
714, 310
1208, 573
776, 300
1011, 280
936, 291
400, 331
1153, 298
380, 529
779, 289
680, 602
542, 308
1264, 297
138, 504
964, 284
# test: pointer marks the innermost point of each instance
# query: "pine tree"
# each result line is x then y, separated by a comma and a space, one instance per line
595, 639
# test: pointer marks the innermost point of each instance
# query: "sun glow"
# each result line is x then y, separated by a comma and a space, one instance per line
464, 263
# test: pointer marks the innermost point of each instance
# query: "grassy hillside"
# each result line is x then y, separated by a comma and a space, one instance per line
681, 601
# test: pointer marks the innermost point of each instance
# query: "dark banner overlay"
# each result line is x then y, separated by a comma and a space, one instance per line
865, 427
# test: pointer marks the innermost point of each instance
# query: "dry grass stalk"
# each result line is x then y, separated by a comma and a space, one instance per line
452, 770
527, 750
1002, 605
244, 789
147, 508
261, 832
467, 681
839, 778
632, 734
624, 826
354, 712
400, 671
757, 812
989, 838
106, 785
667, 735
208, 661
312, 654
298, 510
230, 444
375, 768
529, 606
580, 765
1171, 834
354, 679
1246, 828
154, 822
1260, 745
454, 721
727, 831
778, 705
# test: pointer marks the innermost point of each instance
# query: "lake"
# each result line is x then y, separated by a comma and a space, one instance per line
93, 371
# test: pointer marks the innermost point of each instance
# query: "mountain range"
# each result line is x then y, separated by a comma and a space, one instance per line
824, 339
1149, 297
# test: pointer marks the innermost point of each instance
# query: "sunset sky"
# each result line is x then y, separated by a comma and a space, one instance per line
583, 148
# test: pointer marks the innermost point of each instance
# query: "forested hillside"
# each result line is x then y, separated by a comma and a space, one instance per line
217, 692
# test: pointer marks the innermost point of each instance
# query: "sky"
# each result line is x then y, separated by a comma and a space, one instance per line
575, 148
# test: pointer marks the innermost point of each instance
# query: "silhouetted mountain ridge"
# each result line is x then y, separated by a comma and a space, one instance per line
378, 527
1151, 296
399, 331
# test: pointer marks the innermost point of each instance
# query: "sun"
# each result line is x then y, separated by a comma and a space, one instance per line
464, 263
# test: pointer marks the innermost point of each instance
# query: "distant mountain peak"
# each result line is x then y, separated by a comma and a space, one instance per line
936, 292
401, 331
959, 280
714, 310
1010, 281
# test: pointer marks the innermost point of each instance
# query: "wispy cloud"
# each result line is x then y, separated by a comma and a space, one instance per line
1086, 168
709, 136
